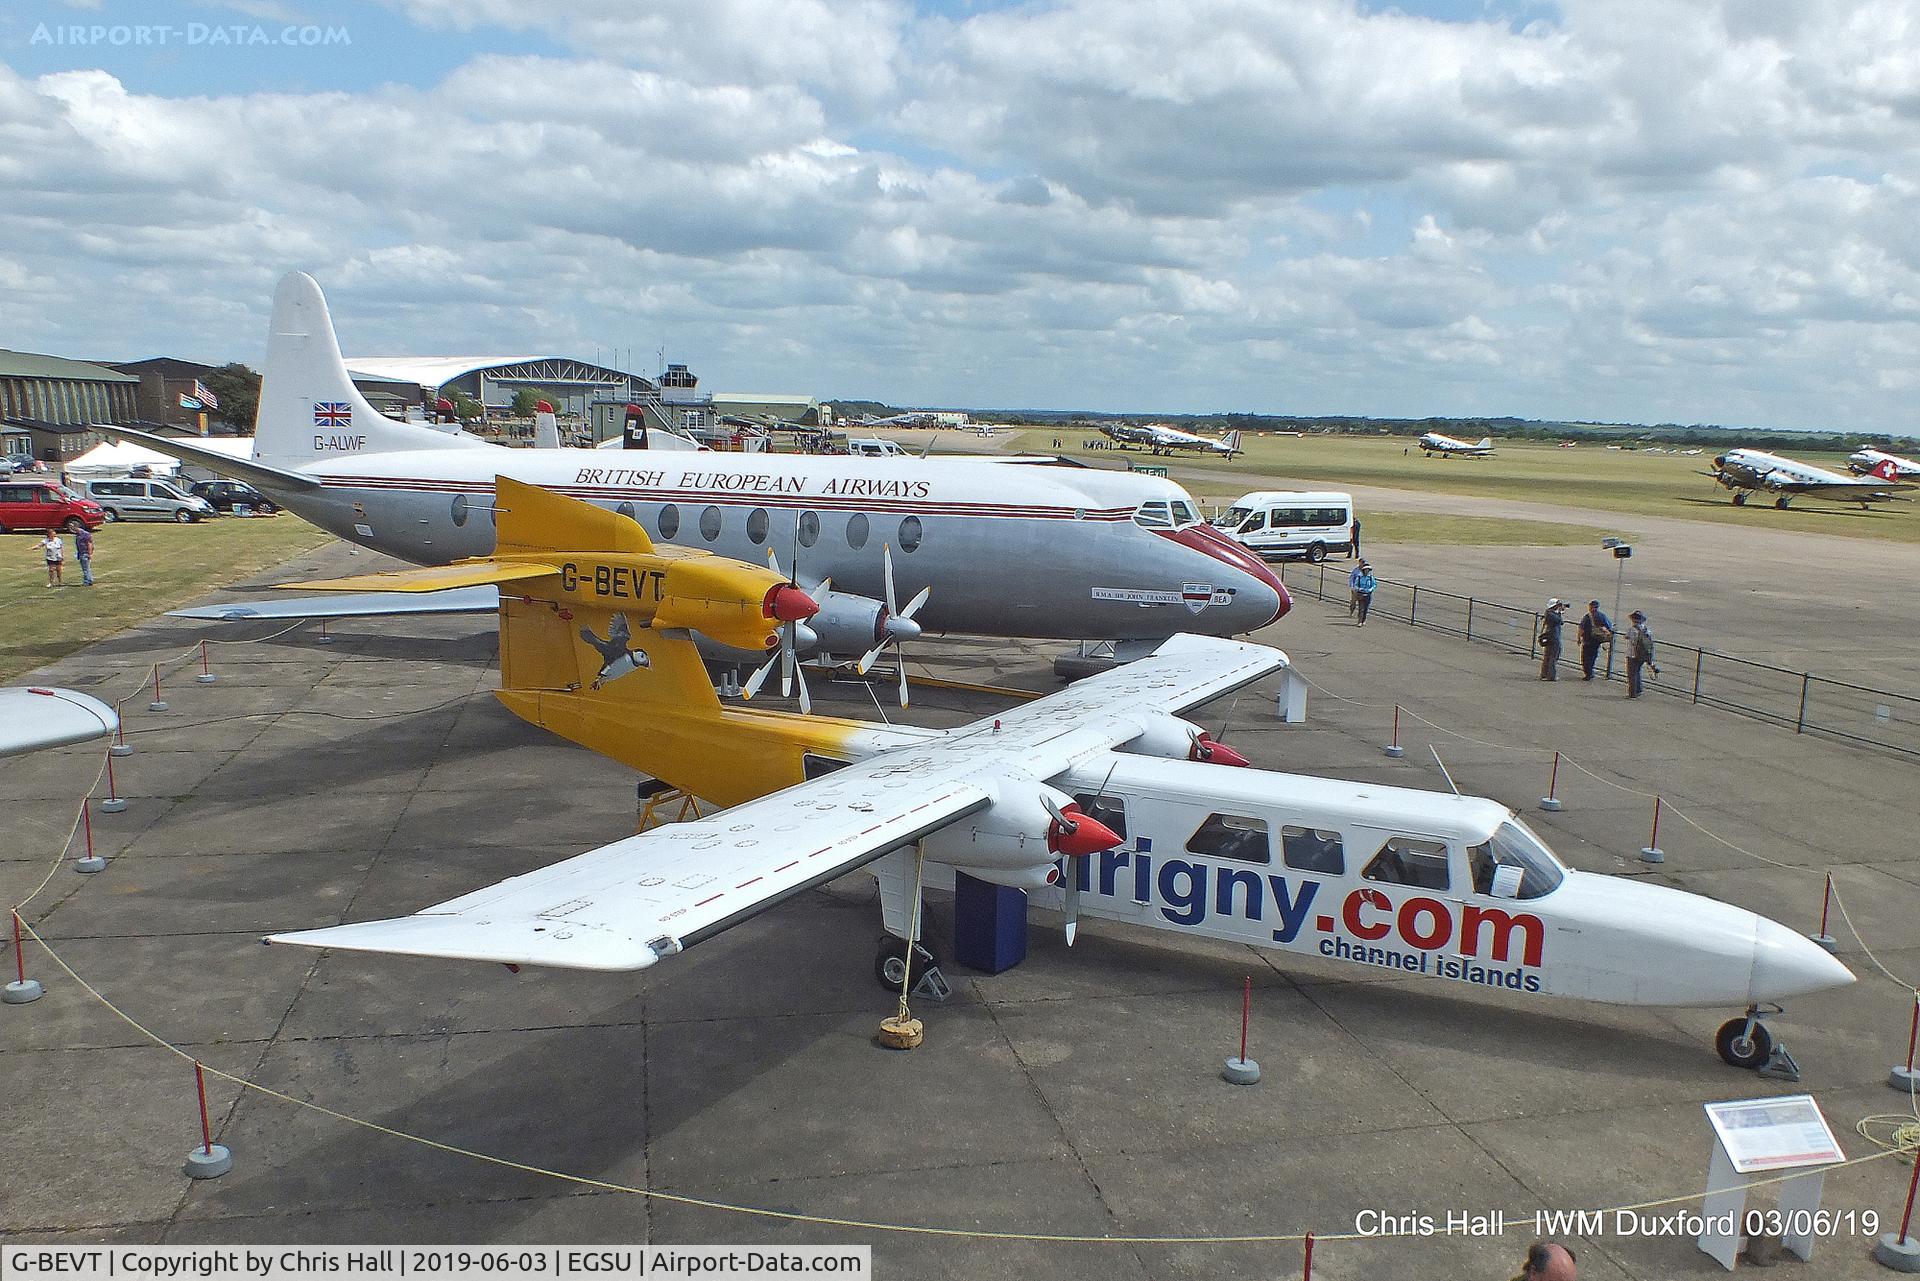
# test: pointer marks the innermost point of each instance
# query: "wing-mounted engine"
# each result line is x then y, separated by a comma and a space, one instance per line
1020, 838
1174, 739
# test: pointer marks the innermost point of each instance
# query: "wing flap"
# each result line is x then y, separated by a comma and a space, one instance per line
626, 905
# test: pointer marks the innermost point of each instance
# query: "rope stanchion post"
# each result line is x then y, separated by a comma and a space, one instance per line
158, 704
323, 638
1243, 1070
22, 989
90, 862
121, 747
1394, 749
1824, 938
1651, 851
1551, 801
206, 676
1306, 1271
114, 802
1898, 1250
1906, 1079
210, 1160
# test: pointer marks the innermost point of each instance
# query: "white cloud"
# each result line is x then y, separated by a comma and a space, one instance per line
1646, 209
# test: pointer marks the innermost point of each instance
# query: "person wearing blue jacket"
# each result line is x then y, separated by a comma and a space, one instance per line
1363, 585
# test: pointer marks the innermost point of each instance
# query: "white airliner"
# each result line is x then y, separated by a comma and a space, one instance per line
1103, 791
1871, 461
1162, 439
1748, 471
1046, 552
1433, 443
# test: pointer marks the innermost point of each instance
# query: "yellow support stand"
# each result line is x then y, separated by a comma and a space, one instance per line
665, 805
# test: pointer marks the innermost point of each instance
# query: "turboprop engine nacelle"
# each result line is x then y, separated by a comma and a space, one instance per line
851, 624
1022, 831
1174, 739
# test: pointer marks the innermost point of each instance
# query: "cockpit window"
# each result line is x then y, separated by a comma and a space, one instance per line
1512, 863
1154, 516
1184, 514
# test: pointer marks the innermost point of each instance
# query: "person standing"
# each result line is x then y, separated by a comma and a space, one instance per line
83, 552
1639, 653
1363, 585
1596, 629
1353, 589
1353, 548
55, 551
1550, 644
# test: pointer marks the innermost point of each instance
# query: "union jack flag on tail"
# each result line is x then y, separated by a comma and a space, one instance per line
332, 413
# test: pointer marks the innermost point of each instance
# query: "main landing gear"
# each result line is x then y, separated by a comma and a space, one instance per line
1746, 1042
1781, 502
1739, 499
891, 969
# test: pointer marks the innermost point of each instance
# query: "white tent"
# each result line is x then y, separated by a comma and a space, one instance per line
113, 458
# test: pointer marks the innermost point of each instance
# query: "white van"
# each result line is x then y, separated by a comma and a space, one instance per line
1279, 525
131, 499
874, 447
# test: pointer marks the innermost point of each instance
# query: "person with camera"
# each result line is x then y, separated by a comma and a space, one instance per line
1596, 629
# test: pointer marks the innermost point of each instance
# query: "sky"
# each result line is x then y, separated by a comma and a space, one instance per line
1705, 211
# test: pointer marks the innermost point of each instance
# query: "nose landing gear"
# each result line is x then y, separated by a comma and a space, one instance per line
1747, 1043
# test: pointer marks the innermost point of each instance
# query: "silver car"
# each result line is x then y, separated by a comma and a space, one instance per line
147, 500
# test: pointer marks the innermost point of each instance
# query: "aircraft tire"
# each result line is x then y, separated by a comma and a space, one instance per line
1317, 553
1739, 1050
890, 962
1781, 503
1739, 500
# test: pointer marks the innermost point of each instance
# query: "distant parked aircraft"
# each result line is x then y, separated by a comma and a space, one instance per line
1747, 471
1162, 439
1433, 443
1867, 462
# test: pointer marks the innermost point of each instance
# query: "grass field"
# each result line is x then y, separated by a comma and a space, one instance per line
1589, 476
139, 570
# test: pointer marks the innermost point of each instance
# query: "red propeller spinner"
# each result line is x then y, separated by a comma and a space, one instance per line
1209, 751
788, 604
1076, 835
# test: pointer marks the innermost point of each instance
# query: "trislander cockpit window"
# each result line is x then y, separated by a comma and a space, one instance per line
1410, 860
1512, 863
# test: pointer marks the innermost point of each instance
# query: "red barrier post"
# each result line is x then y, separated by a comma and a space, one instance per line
1307, 1273
1905, 1079
1243, 1070
114, 802
210, 1160
158, 704
206, 1127
1246, 1014
1823, 938
91, 862
22, 989
1393, 749
1652, 853
206, 676
1551, 801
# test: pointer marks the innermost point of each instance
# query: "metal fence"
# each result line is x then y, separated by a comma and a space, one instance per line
1801, 701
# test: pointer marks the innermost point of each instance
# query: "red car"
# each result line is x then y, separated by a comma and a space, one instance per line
43, 505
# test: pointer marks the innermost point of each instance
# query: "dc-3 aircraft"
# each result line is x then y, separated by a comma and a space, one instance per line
1162, 439
1749, 471
1868, 461
1101, 791
1045, 552
1433, 443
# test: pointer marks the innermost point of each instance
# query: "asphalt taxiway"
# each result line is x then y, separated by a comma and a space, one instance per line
1078, 1094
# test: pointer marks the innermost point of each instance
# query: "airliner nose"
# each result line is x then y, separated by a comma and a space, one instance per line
1788, 964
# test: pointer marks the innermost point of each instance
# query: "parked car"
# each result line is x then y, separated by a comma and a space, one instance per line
45, 504
226, 495
131, 499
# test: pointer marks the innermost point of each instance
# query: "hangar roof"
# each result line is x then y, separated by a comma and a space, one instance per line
430, 371
27, 364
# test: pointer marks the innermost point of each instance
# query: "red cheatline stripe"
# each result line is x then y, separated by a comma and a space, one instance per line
703, 902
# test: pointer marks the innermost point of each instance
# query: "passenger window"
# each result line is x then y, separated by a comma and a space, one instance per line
459, 509
809, 529
668, 521
1110, 810
1410, 860
1306, 849
910, 533
857, 531
757, 526
1234, 837
710, 523
625, 509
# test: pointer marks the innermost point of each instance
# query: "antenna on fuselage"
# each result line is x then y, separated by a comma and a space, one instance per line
1443, 769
